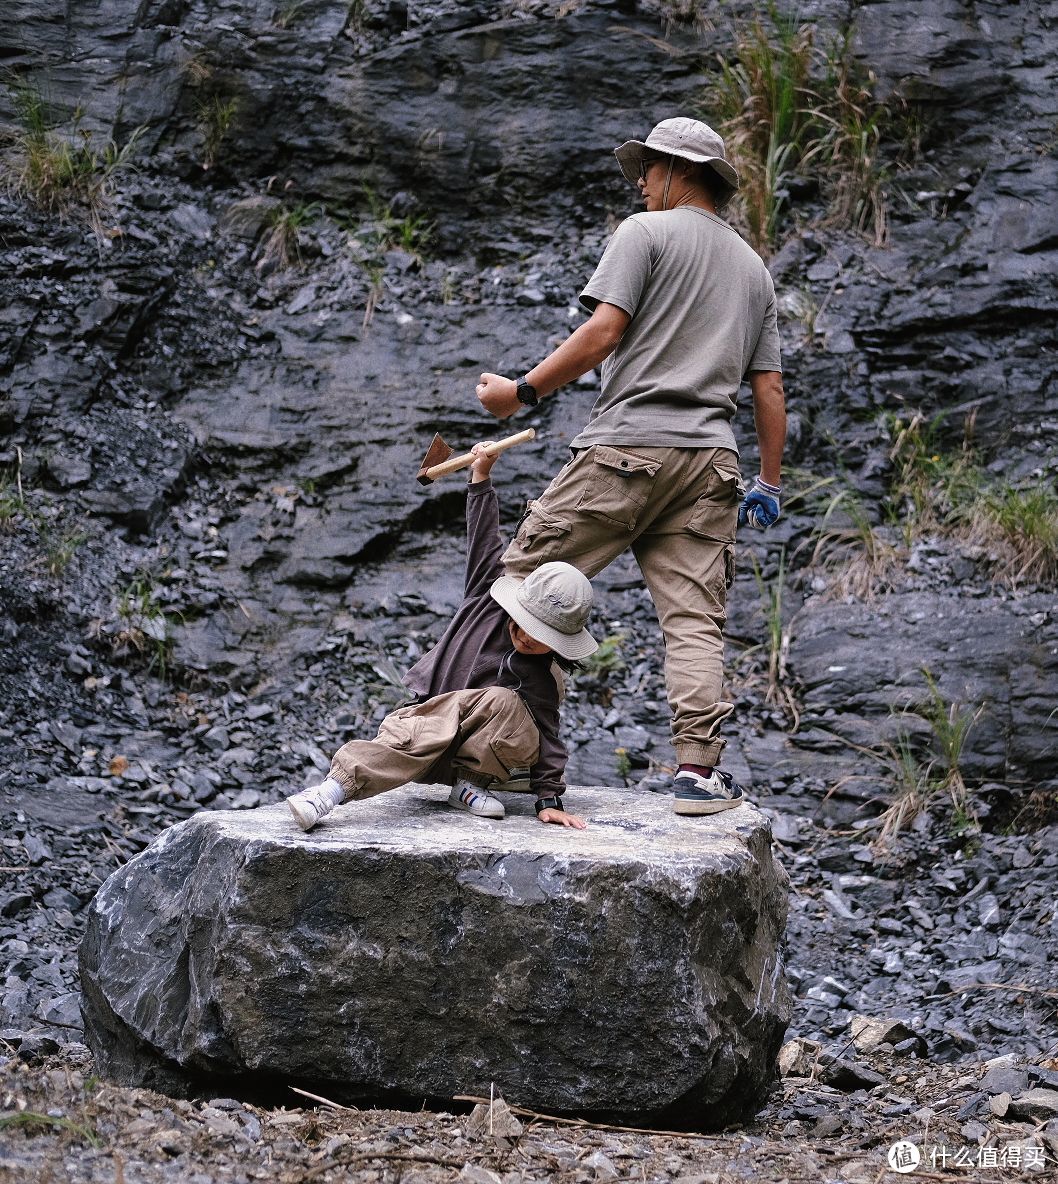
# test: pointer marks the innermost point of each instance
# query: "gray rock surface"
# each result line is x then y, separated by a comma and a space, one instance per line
632, 968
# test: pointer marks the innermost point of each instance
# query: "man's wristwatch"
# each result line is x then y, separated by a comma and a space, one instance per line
527, 393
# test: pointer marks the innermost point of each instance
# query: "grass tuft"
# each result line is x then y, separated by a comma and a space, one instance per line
949, 492
919, 779
281, 245
794, 112
381, 232
63, 170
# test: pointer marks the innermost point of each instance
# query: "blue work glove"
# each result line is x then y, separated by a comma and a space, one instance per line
761, 506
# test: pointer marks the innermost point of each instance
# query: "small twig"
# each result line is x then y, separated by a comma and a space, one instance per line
323, 1101
1049, 992
16, 867
583, 1123
368, 1156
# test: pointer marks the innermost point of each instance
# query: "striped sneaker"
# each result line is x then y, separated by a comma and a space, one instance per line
466, 796
707, 795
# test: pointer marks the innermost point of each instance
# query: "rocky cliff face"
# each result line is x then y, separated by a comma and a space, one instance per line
209, 456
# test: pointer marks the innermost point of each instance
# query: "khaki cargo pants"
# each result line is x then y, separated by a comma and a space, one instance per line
677, 508
477, 734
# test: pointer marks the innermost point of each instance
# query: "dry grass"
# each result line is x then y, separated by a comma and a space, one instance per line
851, 551
63, 170
921, 778
789, 108
950, 493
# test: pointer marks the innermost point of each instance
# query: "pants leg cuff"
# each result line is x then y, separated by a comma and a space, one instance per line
481, 780
345, 781
700, 754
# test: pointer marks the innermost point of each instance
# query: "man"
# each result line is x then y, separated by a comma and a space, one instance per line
682, 310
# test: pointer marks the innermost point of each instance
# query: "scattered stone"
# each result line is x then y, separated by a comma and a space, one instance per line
1035, 1105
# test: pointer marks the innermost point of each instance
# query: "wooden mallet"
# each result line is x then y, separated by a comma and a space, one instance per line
439, 462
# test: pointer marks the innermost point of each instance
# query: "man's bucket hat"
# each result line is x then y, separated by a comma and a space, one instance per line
689, 139
552, 605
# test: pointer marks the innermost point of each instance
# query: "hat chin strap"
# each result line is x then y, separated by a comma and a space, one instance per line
668, 182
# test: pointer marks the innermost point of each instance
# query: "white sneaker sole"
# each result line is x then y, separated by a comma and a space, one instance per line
716, 806
493, 808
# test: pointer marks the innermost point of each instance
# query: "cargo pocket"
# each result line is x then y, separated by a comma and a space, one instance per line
618, 486
400, 729
539, 528
518, 751
715, 514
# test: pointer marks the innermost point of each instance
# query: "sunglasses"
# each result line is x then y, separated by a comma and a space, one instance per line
645, 164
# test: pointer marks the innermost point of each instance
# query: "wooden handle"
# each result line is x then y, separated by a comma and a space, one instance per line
455, 463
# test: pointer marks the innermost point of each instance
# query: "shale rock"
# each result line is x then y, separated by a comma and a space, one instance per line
404, 948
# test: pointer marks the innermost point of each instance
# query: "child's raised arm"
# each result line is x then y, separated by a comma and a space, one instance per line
483, 463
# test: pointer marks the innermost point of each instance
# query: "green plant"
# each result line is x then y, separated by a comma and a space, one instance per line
12, 498
848, 547
281, 245
949, 492
355, 14
911, 788
143, 625
791, 109
760, 101
60, 549
288, 13
1020, 528
30, 1118
951, 724
215, 117
381, 232
608, 658
920, 778
385, 231
848, 124
624, 763
931, 485
62, 170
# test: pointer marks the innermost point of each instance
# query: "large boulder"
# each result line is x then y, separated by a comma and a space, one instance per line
404, 949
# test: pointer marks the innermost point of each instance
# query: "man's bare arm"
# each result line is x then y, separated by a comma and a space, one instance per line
769, 415
585, 348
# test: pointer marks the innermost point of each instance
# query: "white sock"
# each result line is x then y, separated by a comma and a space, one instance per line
330, 788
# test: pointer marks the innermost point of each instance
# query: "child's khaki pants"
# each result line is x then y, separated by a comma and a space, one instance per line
480, 735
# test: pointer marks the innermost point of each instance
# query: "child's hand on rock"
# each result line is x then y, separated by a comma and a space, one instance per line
483, 463
561, 818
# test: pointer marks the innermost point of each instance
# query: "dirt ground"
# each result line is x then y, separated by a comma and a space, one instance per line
61, 1125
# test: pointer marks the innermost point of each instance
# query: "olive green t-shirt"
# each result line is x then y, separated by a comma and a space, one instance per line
702, 305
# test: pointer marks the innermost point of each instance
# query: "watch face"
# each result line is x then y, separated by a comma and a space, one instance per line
527, 393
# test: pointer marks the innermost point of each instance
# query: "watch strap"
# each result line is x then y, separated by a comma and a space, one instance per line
526, 392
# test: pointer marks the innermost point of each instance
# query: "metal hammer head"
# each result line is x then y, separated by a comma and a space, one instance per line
436, 454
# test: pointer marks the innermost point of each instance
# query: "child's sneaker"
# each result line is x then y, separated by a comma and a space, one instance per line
696, 794
467, 796
312, 804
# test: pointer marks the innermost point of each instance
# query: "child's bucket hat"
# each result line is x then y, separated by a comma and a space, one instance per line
552, 605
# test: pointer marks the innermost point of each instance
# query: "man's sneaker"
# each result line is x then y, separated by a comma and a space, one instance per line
707, 795
466, 796
309, 806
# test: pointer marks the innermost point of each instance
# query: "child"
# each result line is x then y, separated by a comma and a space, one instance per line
488, 695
